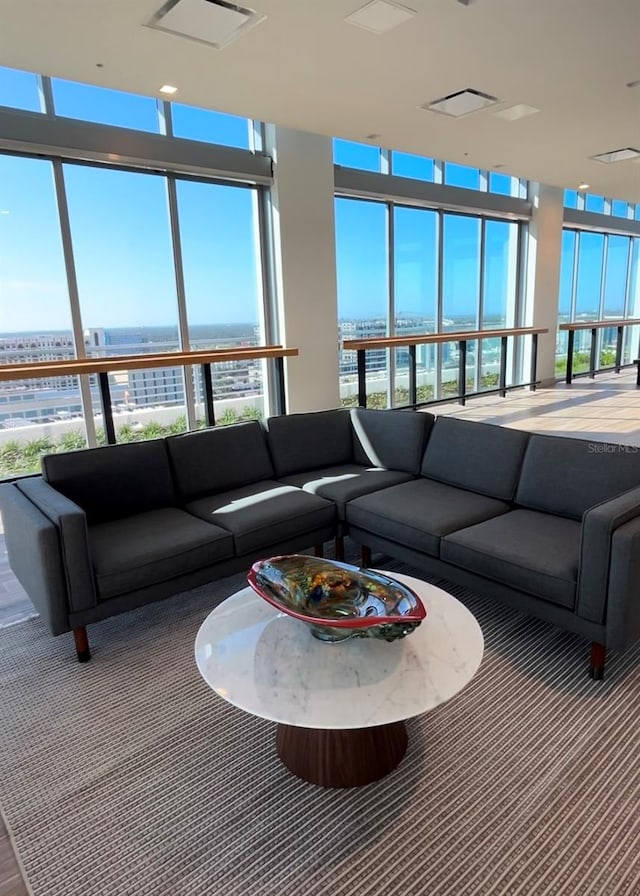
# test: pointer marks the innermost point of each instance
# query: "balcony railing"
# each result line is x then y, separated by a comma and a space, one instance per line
104, 366
594, 326
361, 346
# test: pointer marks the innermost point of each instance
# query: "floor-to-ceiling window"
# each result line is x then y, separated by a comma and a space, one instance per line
598, 282
100, 260
406, 270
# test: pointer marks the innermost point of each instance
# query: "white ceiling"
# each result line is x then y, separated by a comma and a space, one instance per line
306, 68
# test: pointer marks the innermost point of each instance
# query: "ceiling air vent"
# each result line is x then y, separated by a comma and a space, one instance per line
617, 155
462, 103
212, 22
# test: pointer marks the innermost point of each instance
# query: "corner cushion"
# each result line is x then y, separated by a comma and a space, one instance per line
344, 483
532, 552
309, 441
391, 439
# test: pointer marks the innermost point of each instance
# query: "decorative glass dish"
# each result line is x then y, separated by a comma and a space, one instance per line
337, 601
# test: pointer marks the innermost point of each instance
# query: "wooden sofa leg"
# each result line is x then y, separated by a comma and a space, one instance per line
366, 556
339, 547
319, 550
82, 644
598, 653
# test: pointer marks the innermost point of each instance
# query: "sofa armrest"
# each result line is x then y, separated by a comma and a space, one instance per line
623, 605
71, 523
33, 546
599, 525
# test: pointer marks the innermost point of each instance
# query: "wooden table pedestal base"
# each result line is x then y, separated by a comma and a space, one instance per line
342, 757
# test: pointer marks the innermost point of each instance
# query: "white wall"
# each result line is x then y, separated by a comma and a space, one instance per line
305, 265
543, 274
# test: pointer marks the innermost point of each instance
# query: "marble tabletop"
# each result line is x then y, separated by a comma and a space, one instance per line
269, 664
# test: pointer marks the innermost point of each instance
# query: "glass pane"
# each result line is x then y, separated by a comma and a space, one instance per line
615, 283
406, 165
619, 208
35, 320
19, 90
210, 127
500, 264
363, 293
504, 184
356, 155
594, 203
566, 275
461, 272
126, 282
490, 363
633, 309
590, 255
570, 198
416, 292
637, 215
222, 278
104, 106
461, 176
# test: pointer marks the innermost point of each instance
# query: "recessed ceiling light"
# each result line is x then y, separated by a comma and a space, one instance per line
617, 155
372, 136
168, 88
380, 16
583, 186
513, 113
462, 103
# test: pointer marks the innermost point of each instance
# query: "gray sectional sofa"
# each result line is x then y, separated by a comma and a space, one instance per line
547, 524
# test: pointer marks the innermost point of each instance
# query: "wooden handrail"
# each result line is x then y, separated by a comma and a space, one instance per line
600, 324
438, 338
78, 366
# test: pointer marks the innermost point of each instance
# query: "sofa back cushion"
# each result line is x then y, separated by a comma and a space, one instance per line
393, 440
477, 456
219, 459
310, 441
115, 481
567, 476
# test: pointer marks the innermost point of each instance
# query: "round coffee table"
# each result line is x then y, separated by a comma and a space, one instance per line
340, 707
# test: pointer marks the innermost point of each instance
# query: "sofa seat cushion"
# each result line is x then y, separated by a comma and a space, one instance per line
345, 482
533, 552
152, 547
264, 514
418, 513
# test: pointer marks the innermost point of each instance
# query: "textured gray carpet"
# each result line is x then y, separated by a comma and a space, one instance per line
129, 776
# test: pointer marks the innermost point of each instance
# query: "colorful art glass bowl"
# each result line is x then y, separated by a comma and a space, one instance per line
337, 601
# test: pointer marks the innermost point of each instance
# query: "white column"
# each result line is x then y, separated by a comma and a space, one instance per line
305, 265
543, 274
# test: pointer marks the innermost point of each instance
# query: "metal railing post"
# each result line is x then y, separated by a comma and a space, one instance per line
362, 378
209, 410
569, 375
107, 413
593, 353
462, 371
502, 380
413, 381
